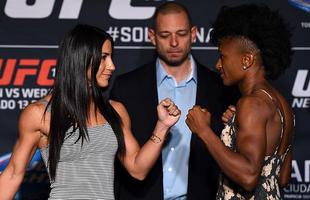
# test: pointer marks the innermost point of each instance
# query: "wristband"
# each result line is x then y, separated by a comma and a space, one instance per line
154, 138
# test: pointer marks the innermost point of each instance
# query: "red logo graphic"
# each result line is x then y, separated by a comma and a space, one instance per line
13, 73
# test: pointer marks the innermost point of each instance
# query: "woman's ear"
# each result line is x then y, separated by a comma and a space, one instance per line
248, 60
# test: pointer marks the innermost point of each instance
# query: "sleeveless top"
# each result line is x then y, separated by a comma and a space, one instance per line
85, 171
267, 186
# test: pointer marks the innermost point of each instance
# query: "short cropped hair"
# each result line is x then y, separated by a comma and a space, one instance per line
168, 8
262, 26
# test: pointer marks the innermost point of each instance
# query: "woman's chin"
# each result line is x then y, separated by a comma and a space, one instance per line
103, 84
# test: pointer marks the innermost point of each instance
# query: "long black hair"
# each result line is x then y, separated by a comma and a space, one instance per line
71, 95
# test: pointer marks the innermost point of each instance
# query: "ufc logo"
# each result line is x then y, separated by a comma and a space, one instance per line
11, 74
301, 87
122, 9
70, 9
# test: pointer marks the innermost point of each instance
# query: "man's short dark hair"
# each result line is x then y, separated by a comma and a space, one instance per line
168, 8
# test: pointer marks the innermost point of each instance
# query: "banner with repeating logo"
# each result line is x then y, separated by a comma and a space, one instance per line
30, 31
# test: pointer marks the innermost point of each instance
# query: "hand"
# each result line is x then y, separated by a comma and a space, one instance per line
228, 114
198, 120
168, 112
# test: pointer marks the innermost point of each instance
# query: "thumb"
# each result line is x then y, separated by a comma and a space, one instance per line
166, 102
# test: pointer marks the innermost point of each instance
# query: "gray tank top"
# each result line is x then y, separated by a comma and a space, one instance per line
85, 172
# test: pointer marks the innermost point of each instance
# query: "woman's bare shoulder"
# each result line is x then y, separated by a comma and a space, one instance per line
35, 113
121, 110
118, 106
252, 107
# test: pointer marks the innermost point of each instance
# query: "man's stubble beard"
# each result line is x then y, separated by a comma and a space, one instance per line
173, 63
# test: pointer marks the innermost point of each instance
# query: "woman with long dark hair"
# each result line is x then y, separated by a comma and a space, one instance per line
79, 130
254, 150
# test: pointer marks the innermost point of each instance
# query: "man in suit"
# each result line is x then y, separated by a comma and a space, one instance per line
185, 170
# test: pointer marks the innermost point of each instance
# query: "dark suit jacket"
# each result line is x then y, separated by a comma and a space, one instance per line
137, 90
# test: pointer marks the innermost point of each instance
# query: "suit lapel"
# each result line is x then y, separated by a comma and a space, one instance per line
149, 95
202, 84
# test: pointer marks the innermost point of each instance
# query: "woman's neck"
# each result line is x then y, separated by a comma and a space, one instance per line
252, 82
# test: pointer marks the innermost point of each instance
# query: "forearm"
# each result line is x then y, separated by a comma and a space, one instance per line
234, 165
9, 184
13, 175
138, 161
149, 152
